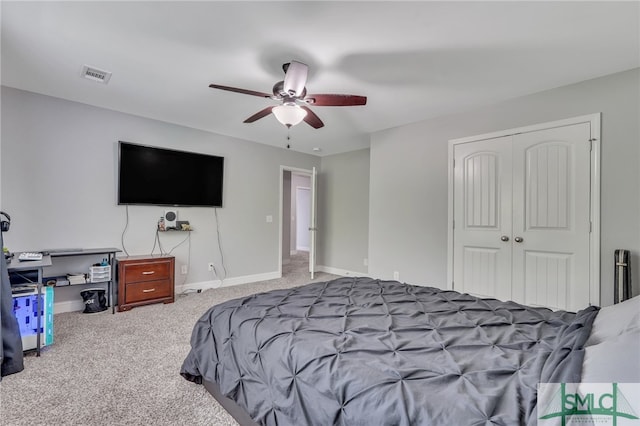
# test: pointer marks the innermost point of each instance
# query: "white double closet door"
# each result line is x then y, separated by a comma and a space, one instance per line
522, 217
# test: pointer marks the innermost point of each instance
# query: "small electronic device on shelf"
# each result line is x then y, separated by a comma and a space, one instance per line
27, 256
22, 289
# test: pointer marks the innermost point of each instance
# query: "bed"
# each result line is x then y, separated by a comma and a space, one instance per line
360, 351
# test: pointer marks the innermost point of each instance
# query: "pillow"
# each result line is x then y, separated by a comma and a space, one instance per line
614, 320
616, 360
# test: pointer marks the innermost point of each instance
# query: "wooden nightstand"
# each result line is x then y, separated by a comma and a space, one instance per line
143, 280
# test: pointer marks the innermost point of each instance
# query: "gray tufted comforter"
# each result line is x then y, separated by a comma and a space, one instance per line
358, 351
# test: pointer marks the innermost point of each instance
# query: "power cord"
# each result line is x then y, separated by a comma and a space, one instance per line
215, 210
126, 226
188, 237
184, 292
156, 241
188, 260
24, 277
163, 252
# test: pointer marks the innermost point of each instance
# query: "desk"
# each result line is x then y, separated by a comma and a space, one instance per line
47, 260
109, 251
33, 265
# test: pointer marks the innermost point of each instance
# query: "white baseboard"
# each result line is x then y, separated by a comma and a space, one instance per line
68, 306
78, 305
246, 279
341, 272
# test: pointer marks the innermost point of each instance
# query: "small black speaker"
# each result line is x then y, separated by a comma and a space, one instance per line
4, 224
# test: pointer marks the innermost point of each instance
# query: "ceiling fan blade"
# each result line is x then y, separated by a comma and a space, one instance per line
312, 119
335, 100
244, 91
258, 115
295, 78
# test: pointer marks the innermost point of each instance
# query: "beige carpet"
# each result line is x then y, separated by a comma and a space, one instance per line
123, 369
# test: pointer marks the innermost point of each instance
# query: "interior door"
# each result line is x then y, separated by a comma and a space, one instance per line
551, 217
313, 223
482, 218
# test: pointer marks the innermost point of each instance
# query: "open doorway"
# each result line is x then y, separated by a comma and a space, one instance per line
295, 220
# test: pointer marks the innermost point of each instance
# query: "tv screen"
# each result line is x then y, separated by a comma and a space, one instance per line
167, 177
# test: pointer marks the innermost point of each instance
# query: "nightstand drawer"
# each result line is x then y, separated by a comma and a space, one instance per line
148, 271
147, 290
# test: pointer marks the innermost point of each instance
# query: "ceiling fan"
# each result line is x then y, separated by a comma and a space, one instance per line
295, 101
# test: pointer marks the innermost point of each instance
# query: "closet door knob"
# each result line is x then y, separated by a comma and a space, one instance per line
518, 239
504, 238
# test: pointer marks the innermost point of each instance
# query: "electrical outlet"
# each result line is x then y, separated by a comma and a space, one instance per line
396, 275
365, 262
210, 266
184, 270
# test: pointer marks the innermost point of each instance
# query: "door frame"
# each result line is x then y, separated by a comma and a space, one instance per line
308, 172
594, 236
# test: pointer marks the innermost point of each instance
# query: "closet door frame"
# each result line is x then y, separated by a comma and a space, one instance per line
594, 236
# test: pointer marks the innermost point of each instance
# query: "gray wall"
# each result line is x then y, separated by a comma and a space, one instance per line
59, 165
408, 205
343, 211
58, 178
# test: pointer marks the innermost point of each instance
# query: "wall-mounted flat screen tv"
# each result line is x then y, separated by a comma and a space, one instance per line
167, 177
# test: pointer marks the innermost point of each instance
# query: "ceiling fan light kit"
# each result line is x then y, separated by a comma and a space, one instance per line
292, 94
289, 115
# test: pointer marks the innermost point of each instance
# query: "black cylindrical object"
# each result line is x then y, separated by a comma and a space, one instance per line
622, 276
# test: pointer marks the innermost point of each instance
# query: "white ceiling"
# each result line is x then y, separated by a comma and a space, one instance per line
413, 60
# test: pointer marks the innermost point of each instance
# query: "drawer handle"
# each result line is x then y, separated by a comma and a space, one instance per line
149, 290
148, 272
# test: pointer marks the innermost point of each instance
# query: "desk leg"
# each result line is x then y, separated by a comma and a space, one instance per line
39, 313
111, 284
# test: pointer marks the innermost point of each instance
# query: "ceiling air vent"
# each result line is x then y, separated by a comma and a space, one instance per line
96, 74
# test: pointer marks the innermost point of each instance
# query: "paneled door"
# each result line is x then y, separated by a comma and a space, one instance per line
482, 231
522, 217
